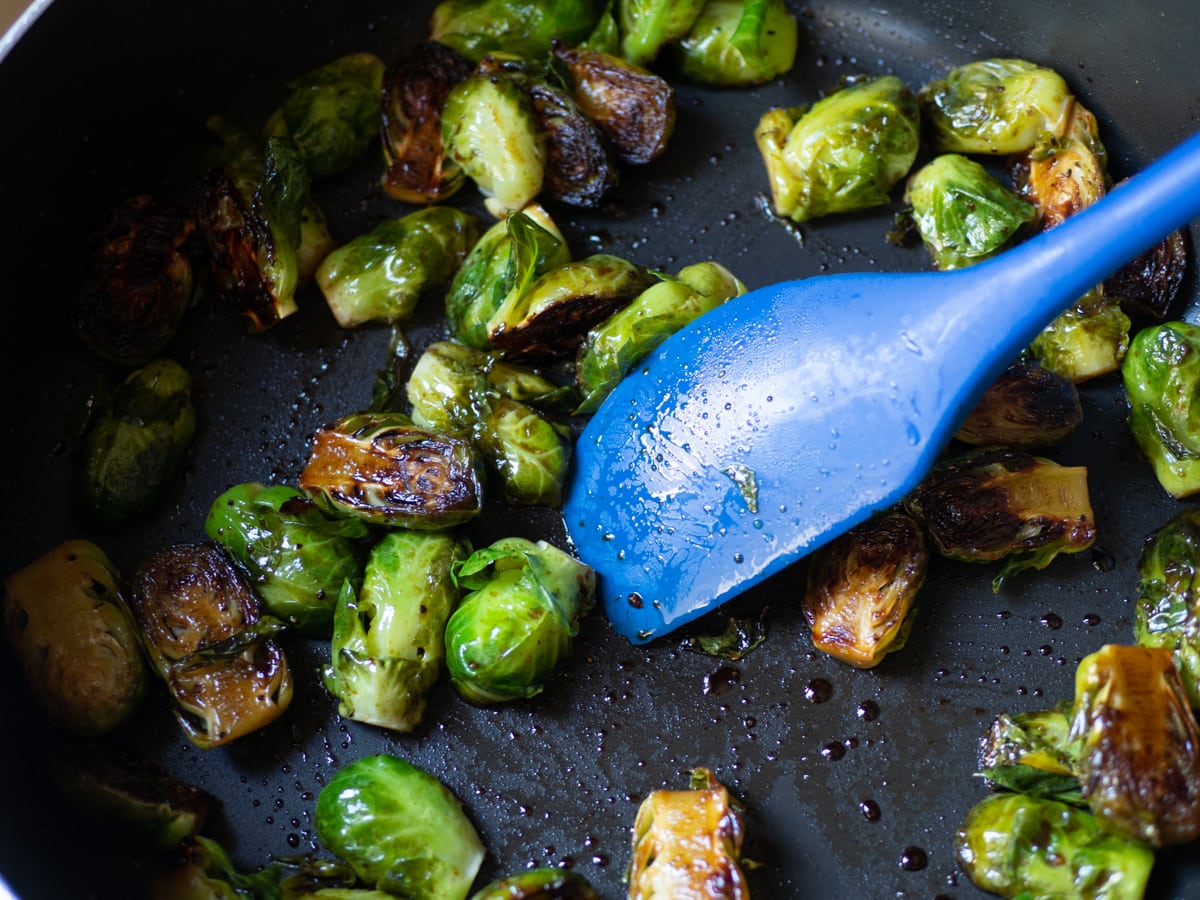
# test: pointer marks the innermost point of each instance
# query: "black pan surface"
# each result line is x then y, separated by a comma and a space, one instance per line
99, 101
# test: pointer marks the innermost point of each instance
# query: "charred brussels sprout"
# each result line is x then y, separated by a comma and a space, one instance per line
861, 589
578, 168
136, 446
1067, 174
1031, 753
383, 469
400, 829
962, 213
297, 558
990, 504
332, 113
1026, 407
688, 843
1088, 340
389, 640
1148, 284
1161, 373
380, 276
649, 25
1019, 846
74, 637
1168, 606
200, 624
515, 628
539, 884
844, 153
140, 283
204, 871
995, 106
738, 42
476, 28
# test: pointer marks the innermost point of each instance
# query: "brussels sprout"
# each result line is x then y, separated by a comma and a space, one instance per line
121, 791
844, 153
499, 269
1031, 753
415, 88
73, 635
515, 628
1019, 846
995, 106
389, 641
135, 448
380, 276
861, 589
649, 25
962, 213
325, 879
634, 108
332, 113
1148, 284
200, 623
1168, 605
539, 884
1067, 174
399, 828
140, 283
625, 338
688, 843
1161, 374
204, 871
1026, 407
296, 557
477, 28
491, 131
578, 168
527, 451
385, 470
738, 42
1139, 745
316, 242
995, 503
1088, 340
553, 314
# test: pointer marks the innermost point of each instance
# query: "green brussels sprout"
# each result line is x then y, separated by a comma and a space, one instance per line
136, 446
1088, 340
399, 828
527, 451
539, 884
74, 637
962, 213
989, 504
1031, 753
688, 843
140, 283
325, 879
995, 106
499, 269
844, 153
625, 338
738, 42
204, 871
490, 130
515, 628
1168, 604
297, 558
200, 624
383, 469
733, 642
862, 587
1019, 846
649, 25
332, 113
1026, 407
380, 276
389, 640
1161, 373
1067, 174
477, 28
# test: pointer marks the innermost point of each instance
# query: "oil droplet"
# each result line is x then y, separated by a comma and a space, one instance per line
1053, 621
913, 859
738, 558
833, 751
868, 711
870, 810
818, 690
721, 681
1091, 620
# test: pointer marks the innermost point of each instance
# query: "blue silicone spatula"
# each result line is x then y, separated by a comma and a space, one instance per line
780, 420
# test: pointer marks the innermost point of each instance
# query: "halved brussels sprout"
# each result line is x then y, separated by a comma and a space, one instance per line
1026, 407
1148, 284
477, 28
649, 25
1088, 340
578, 168
1067, 174
539, 884
738, 42
204, 871
1168, 605
527, 451
74, 637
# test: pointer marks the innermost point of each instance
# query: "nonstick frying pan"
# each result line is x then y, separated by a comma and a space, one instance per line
102, 101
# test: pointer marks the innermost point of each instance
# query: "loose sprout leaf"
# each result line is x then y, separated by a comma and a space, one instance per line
740, 636
746, 481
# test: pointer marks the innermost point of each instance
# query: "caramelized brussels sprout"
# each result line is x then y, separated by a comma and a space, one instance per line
399, 828
1026, 407
1148, 284
383, 469
844, 153
995, 106
140, 283
136, 446
861, 589
477, 28
994, 503
962, 213
332, 113
515, 627
539, 884
1067, 174
688, 843
1168, 605
200, 623
1031, 753
738, 42
74, 637
649, 25
1088, 340
578, 170
297, 558
1019, 846
1161, 374
389, 640
380, 276
204, 871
